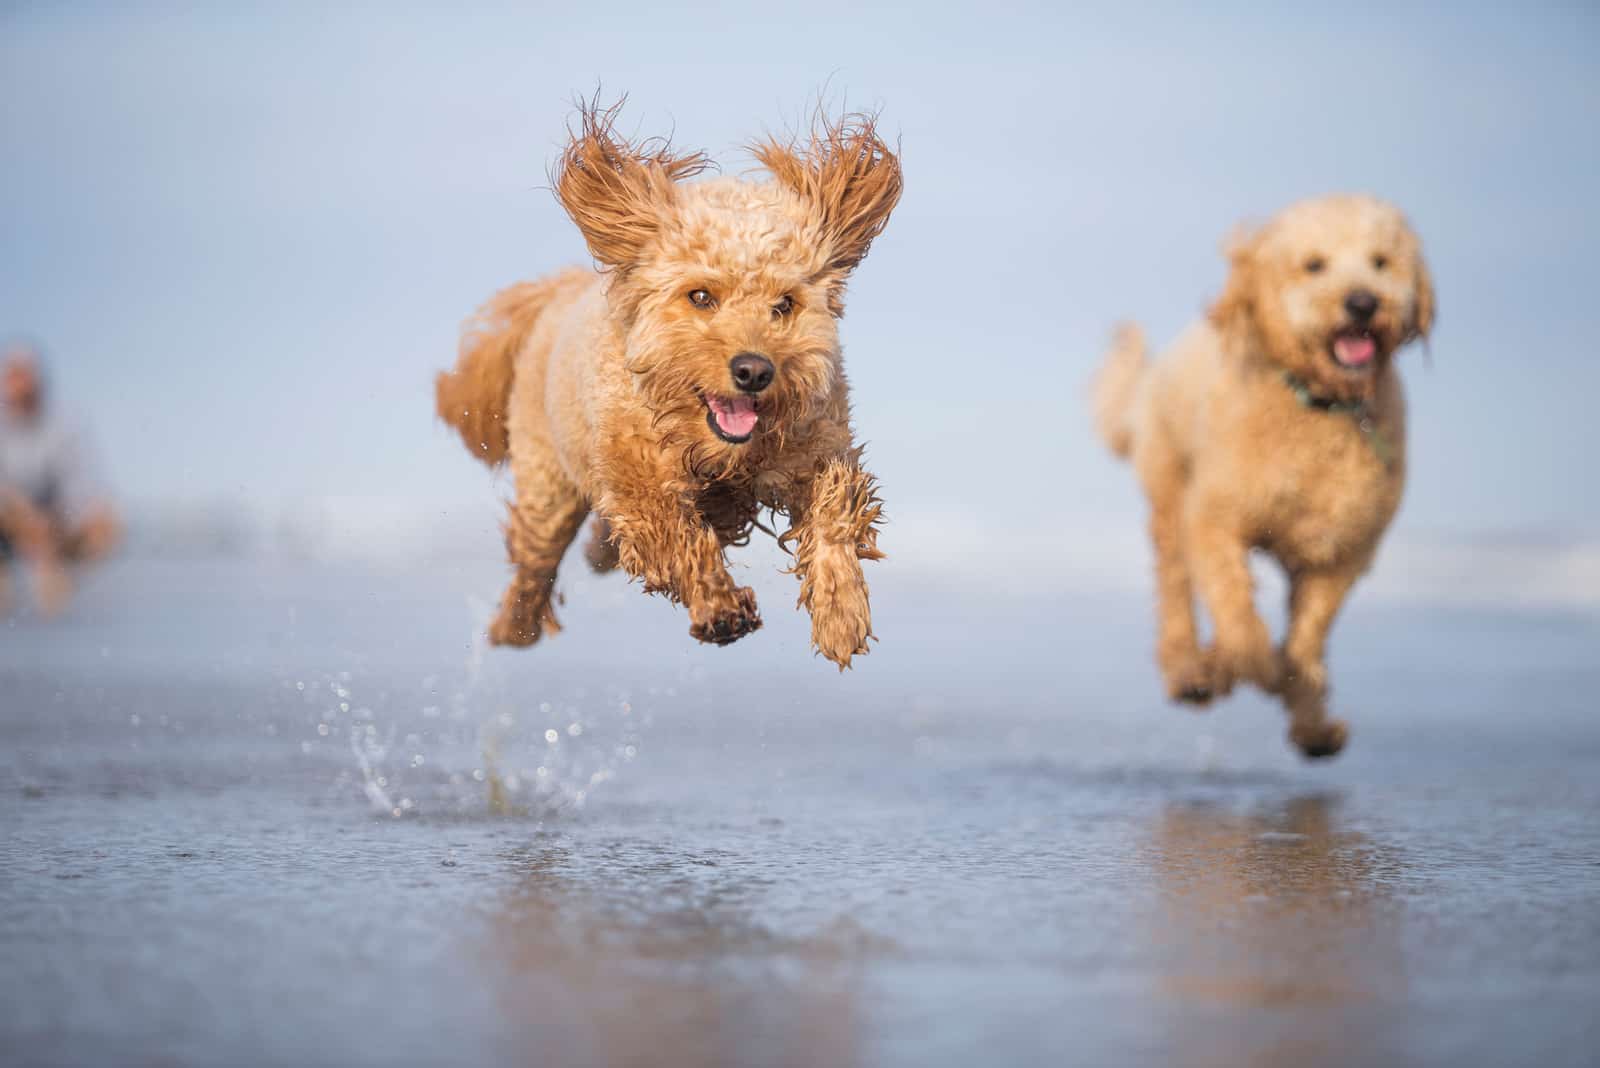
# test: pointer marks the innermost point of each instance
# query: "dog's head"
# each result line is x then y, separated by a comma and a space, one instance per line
1330, 289
726, 292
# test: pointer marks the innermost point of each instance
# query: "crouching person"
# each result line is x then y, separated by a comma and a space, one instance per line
54, 512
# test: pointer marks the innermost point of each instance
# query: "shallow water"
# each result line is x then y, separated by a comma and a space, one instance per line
291, 813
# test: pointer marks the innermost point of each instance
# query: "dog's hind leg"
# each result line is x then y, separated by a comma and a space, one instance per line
835, 528
601, 549
1314, 600
542, 521
1189, 673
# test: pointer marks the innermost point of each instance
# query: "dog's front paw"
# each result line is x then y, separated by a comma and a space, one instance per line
1196, 677
843, 633
834, 591
1320, 740
726, 622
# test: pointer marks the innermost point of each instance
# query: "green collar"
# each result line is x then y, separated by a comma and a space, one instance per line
1358, 411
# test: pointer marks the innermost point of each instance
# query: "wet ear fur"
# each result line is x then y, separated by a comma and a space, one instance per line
617, 190
852, 180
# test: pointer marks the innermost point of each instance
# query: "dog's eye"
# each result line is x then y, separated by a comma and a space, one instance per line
784, 306
1315, 264
1379, 262
701, 298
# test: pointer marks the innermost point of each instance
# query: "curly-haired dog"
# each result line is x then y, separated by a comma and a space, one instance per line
1276, 424
691, 381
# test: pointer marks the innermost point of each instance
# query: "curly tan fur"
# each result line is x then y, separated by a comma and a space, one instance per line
1249, 434
851, 181
473, 397
606, 384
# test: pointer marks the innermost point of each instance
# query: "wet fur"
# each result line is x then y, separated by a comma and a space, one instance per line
590, 383
1232, 461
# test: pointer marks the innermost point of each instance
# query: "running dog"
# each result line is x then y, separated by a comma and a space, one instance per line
690, 381
1278, 423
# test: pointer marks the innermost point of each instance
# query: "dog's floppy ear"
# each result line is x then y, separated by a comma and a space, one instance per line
617, 190
1237, 303
851, 179
1422, 321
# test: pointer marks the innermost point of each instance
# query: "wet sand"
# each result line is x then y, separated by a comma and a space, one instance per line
292, 814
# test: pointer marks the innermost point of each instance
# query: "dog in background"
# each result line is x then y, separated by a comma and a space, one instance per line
1278, 423
691, 381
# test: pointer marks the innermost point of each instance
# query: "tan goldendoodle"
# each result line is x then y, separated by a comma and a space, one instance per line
1277, 424
690, 382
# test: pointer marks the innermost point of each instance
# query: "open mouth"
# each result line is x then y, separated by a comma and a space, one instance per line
733, 419
1354, 348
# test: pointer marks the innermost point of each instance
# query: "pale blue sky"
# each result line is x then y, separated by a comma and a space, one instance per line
249, 238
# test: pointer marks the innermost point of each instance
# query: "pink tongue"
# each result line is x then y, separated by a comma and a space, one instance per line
1354, 351
735, 415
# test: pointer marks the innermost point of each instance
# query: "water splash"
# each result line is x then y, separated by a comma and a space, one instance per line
480, 746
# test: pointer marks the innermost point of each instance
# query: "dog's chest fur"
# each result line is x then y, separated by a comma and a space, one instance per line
1322, 490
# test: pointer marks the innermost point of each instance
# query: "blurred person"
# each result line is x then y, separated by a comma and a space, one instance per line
54, 511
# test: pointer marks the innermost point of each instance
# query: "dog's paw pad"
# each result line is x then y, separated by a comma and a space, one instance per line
1198, 680
728, 627
1322, 740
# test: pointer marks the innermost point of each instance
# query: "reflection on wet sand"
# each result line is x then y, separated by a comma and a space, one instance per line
1279, 933
664, 969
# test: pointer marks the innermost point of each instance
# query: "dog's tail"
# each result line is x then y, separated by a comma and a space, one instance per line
474, 396
1116, 386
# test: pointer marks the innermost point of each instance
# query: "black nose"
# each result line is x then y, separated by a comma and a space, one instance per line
1362, 304
751, 373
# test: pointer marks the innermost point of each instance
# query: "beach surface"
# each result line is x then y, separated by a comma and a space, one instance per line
289, 812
